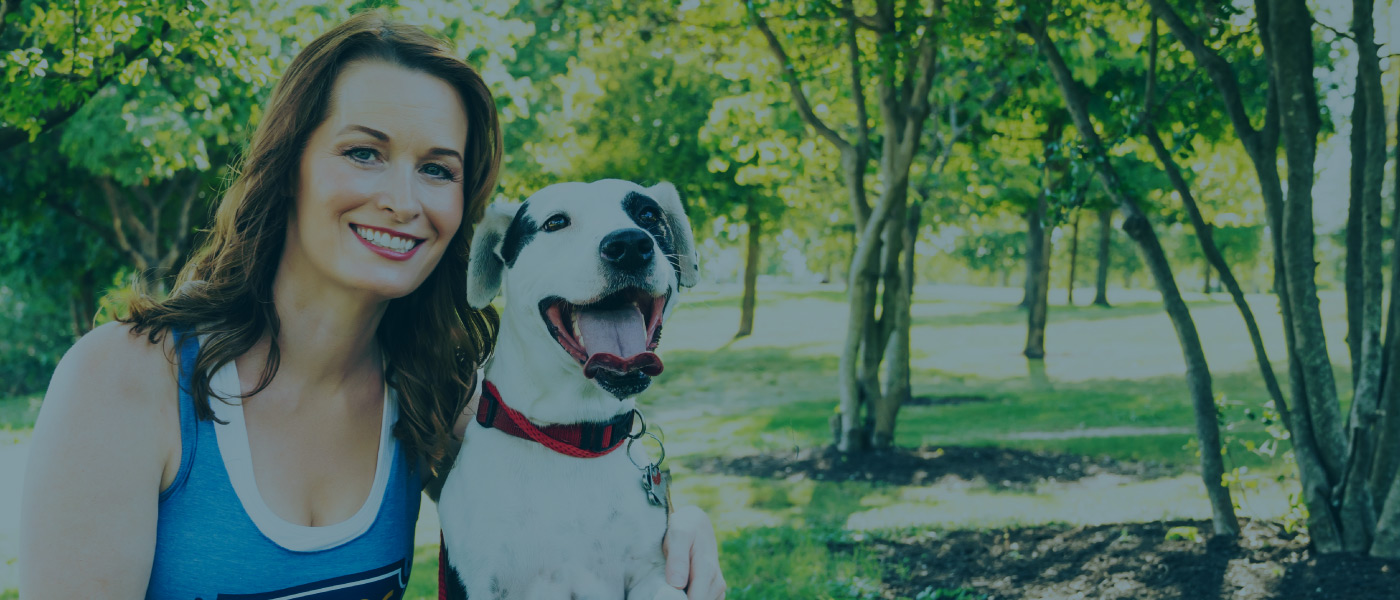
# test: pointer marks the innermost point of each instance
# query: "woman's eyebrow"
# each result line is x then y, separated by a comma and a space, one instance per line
375, 133
446, 152
384, 137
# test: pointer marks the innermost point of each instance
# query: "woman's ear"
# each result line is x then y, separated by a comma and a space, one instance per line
485, 267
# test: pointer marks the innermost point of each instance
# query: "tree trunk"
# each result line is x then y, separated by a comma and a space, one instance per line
1360, 143
1317, 408
1227, 277
1073, 256
1105, 242
897, 374
862, 276
1386, 457
1140, 230
750, 267
1206, 268
1387, 542
1290, 110
1035, 244
1358, 502
1040, 277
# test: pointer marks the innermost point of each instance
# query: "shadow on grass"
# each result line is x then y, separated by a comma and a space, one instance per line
1009, 314
996, 468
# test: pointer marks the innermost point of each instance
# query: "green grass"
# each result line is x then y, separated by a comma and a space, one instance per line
758, 563
423, 581
779, 562
19, 412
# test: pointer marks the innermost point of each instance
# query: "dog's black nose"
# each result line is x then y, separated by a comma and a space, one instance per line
628, 249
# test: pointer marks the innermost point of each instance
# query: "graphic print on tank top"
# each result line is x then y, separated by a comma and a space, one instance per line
385, 583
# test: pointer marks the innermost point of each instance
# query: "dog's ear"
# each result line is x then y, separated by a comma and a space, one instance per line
485, 265
686, 259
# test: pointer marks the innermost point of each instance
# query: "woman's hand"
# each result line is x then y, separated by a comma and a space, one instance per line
692, 555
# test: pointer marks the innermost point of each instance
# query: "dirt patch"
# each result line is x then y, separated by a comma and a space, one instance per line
1002, 468
1139, 561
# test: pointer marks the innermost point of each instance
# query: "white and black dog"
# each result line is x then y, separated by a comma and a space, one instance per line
543, 507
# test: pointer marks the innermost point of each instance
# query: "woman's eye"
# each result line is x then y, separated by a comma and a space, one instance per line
438, 171
362, 154
648, 215
555, 223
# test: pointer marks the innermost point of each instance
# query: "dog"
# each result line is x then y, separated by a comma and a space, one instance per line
548, 498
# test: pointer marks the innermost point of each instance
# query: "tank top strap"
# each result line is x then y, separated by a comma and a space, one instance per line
188, 349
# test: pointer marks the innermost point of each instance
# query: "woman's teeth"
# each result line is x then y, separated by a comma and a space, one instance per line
385, 240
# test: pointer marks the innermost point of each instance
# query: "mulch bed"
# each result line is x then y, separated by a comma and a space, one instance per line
1002, 468
1129, 561
1134, 561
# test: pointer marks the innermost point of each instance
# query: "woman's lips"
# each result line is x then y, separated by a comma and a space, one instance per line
388, 253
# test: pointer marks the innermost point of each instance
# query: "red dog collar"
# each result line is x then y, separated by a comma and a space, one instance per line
580, 440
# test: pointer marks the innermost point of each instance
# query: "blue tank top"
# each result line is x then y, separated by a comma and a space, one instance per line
215, 540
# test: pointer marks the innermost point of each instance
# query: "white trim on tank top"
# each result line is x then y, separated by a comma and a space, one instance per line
238, 461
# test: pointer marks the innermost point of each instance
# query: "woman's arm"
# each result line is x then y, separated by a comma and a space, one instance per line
99, 456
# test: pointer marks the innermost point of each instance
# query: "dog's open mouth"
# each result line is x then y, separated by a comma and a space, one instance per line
616, 334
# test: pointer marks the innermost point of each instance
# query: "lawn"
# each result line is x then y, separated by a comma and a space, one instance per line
1110, 392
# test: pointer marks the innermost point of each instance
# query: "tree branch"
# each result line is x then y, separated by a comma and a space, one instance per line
1334, 30
120, 213
959, 129
857, 83
13, 136
1203, 231
1219, 70
804, 108
926, 68
103, 232
189, 195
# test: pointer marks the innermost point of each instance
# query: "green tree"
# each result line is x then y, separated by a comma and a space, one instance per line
1347, 466
901, 50
1036, 24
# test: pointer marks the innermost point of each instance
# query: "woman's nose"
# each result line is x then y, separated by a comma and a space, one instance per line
396, 195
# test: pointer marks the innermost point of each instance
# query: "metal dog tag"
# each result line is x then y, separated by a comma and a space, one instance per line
654, 485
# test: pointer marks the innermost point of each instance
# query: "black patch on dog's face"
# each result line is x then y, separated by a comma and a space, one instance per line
522, 229
660, 230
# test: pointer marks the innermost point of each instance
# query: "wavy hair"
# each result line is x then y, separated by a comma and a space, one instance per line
432, 339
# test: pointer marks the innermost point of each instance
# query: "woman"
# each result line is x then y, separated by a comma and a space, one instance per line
326, 314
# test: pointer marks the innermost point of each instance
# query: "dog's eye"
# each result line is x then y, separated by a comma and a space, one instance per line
555, 223
648, 215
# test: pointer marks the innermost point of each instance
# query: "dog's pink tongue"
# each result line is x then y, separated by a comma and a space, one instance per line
621, 332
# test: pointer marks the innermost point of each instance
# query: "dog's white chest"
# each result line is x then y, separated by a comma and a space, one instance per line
517, 516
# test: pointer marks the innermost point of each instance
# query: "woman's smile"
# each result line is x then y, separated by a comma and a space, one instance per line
388, 243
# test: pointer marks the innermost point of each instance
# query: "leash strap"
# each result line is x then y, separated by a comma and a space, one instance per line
580, 440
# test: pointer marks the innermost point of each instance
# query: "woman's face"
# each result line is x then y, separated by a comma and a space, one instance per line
379, 192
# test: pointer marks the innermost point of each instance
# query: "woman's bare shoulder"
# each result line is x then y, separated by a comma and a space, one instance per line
114, 372
121, 358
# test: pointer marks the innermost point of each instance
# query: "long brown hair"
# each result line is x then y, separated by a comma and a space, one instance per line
432, 339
